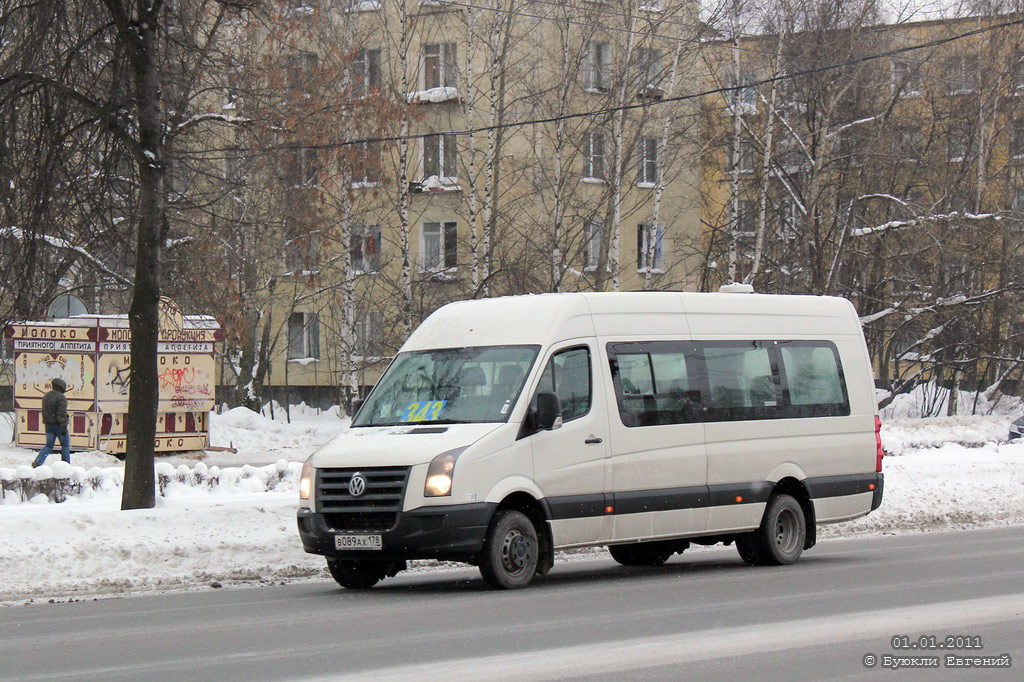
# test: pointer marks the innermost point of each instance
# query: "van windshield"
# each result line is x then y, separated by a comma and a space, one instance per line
449, 386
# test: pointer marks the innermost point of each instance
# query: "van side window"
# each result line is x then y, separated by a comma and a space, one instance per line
741, 384
652, 383
812, 373
568, 376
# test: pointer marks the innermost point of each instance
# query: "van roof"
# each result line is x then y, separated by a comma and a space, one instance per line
549, 318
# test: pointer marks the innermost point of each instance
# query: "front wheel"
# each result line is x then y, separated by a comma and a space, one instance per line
511, 550
780, 538
356, 575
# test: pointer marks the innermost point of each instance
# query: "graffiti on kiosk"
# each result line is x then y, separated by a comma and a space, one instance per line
176, 378
42, 372
119, 378
187, 403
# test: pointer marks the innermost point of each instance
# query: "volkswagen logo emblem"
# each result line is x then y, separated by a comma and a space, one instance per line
356, 485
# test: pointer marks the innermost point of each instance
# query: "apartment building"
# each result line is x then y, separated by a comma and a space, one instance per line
483, 149
883, 163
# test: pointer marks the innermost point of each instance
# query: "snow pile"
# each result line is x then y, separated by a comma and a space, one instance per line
81, 548
901, 435
929, 400
433, 95
947, 487
262, 440
62, 482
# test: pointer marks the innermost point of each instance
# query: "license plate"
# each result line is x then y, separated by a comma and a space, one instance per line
357, 542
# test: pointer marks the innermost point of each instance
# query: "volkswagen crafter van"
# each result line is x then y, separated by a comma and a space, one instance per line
508, 428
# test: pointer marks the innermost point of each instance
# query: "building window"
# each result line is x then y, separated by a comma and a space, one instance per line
745, 217
300, 70
366, 73
744, 96
650, 71
439, 158
593, 155
301, 167
647, 161
365, 164
440, 246
958, 143
596, 67
906, 77
908, 143
592, 245
744, 163
439, 65
962, 74
234, 162
302, 252
650, 252
1017, 143
366, 248
369, 330
303, 336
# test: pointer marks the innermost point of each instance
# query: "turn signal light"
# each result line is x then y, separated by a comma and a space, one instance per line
609, 510
739, 498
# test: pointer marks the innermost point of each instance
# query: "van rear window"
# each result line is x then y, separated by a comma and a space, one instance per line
814, 377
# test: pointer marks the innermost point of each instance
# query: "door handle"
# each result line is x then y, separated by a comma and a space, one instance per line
593, 440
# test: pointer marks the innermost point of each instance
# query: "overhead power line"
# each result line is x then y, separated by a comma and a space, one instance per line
678, 98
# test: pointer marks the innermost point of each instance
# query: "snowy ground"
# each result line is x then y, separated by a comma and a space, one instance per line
945, 473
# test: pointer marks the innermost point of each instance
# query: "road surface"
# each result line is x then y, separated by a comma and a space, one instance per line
704, 615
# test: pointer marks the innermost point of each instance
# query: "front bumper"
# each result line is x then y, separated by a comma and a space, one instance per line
454, 532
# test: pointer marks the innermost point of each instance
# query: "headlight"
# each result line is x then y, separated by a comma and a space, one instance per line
440, 472
305, 479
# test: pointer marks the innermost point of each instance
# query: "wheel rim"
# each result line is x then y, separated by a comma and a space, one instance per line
787, 531
516, 552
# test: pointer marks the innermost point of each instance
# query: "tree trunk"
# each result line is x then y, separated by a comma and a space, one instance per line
143, 400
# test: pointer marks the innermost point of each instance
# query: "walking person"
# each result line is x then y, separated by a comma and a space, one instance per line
55, 416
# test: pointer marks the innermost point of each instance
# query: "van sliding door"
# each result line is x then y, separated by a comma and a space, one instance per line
658, 461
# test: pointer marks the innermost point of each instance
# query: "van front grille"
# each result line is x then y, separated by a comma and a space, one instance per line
376, 509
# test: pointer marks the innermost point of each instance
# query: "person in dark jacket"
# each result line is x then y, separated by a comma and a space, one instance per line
55, 416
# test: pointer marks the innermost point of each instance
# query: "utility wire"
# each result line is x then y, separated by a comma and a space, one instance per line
678, 98
677, 39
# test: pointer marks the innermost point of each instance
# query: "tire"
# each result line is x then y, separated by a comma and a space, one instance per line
779, 541
353, 574
641, 553
511, 551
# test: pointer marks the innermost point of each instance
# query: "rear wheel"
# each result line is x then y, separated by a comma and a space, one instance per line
642, 553
510, 554
357, 575
780, 538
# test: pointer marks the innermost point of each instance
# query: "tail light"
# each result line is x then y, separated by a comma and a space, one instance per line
880, 453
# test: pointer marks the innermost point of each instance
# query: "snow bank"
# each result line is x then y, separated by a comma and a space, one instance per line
947, 487
928, 400
90, 548
901, 435
63, 482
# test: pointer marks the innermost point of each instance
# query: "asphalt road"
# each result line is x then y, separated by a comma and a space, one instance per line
704, 615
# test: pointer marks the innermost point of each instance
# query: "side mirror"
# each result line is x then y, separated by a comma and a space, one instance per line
357, 403
548, 411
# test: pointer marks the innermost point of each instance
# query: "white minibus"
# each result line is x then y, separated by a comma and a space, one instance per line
508, 428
